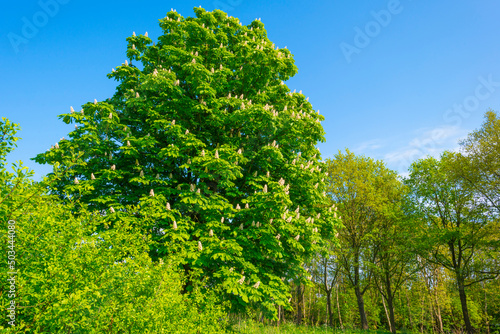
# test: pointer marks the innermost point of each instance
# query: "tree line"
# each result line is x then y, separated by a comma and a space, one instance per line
419, 252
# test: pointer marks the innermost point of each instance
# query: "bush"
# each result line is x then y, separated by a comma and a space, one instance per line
75, 276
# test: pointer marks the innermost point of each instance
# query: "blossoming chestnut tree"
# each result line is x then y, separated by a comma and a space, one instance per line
206, 140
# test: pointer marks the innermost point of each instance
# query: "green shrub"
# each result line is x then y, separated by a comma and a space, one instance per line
74, 276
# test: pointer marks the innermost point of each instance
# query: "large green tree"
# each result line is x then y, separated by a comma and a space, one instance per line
218, 154
456, 230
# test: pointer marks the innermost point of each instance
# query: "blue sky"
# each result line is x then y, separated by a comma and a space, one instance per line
396, 80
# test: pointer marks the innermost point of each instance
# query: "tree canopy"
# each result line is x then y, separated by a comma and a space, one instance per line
214, 152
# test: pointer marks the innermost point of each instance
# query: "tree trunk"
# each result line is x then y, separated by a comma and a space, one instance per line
386, 313
318, 317
310, 306
431, 315
329, 307
299, 304
438, 312
486, 310
361, 307
390, 304
423, 313
338, 309
463, 302
304, 297
409, 309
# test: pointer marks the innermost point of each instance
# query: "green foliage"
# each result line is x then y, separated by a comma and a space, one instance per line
213, 151
73, 277
479, 165
455, 230
454, 219
370, 198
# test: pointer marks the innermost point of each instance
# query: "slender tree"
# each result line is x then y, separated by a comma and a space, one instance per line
355, 184
394, 264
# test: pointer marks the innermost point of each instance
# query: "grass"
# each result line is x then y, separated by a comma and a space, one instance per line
250, 327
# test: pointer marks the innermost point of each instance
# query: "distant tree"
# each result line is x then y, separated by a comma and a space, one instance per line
480, 160
360, 187
456, 230
204, 137
394, 264
326, 270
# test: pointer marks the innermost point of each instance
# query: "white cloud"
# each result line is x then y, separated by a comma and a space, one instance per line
369, 145
426, 142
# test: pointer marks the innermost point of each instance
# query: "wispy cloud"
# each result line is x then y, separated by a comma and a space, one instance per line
367, 146
426, 142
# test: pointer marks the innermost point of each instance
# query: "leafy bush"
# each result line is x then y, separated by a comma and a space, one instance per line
74, 276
